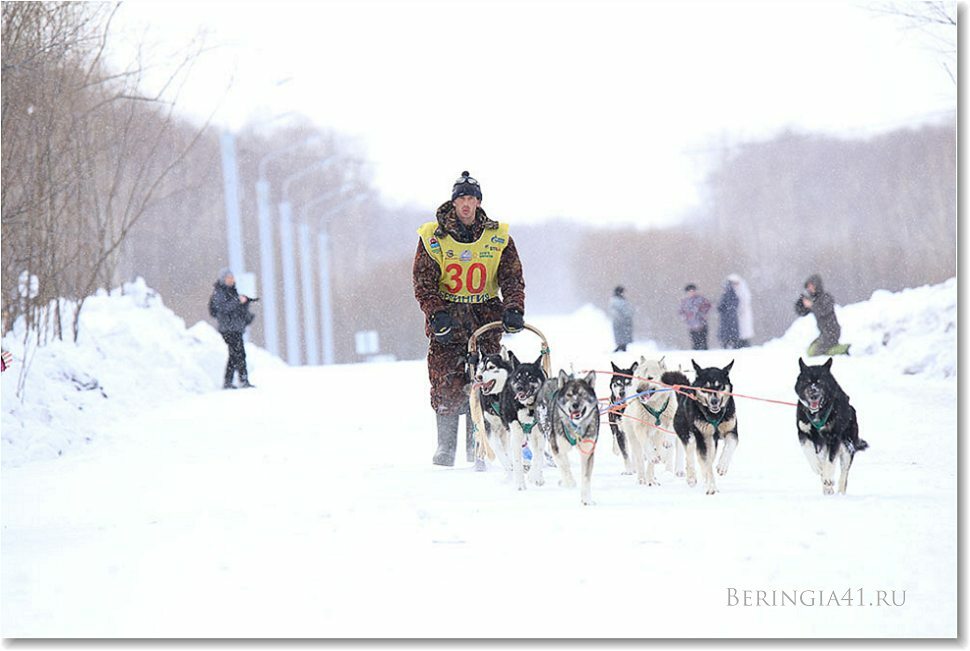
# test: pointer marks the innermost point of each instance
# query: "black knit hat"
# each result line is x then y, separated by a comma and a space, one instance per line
466, 186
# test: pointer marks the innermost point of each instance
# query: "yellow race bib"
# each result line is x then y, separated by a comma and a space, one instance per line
469, 272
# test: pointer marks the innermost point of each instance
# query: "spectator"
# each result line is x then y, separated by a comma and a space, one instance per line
231, 310
727, 307
820, 303
745, 313
622, 314
693, 309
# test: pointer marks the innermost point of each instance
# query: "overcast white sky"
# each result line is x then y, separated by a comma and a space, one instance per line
596, 110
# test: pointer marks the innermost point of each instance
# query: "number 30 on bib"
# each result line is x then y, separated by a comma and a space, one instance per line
471, 279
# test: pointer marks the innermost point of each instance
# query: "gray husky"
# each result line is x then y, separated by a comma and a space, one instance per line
568, 414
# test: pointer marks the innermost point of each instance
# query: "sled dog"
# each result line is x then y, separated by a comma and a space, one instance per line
518, 412
619, 389
705, 417
650, 426
827, 425
569, 417
491, 373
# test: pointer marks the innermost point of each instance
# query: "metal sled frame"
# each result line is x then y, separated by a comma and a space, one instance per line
482, 448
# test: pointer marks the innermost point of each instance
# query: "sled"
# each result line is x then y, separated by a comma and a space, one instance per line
482, 448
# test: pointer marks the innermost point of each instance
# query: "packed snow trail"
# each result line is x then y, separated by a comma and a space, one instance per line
308, 507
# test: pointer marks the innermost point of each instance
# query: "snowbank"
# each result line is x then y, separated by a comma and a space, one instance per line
913, 331
131, 352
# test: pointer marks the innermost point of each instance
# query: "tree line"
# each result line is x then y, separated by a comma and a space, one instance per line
102, 184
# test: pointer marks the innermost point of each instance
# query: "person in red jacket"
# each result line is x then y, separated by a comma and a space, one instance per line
466, 273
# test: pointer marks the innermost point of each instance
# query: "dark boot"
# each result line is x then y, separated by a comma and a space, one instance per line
447, 440
244, 382
227, 382
469, 438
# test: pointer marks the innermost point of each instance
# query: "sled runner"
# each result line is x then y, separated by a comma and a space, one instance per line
482, 448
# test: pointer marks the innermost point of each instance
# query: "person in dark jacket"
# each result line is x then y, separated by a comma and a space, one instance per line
231, 310
727, 307
466, 273
622, 314
820, 303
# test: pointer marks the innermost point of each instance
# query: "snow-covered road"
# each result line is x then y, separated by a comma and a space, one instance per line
308, 507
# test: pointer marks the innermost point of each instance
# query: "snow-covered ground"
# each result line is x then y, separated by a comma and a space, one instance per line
139, 500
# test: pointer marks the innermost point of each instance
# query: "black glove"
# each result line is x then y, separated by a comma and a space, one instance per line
441, 324
513, 320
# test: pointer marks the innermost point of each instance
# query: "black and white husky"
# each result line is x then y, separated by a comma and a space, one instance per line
620, 383
491, 373
518, 412
650, 423
569, 416
706, 417
827, 424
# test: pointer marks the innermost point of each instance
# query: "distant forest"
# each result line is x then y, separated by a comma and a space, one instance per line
102, 185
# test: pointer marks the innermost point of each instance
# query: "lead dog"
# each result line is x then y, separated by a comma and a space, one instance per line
650, 417
827, 424
491, 373
518, 411
620, 383
569, 416
705, 417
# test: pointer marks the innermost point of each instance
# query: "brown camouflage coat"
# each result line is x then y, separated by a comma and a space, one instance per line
446, 362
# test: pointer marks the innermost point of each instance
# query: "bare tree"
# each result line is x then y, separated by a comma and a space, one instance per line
935, 22
84, 153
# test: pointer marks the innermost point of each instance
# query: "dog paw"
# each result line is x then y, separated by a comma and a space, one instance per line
657, 459
653, 483
668, 444
627, 472
681, 473
692, 481
721, 470
828, 490
588, 502
537, 479
711, 491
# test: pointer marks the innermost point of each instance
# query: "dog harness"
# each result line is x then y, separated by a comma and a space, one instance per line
657, 414
715, 423
820, 423
469, 270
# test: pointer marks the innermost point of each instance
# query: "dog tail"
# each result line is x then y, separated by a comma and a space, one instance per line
861, 445
674, 377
